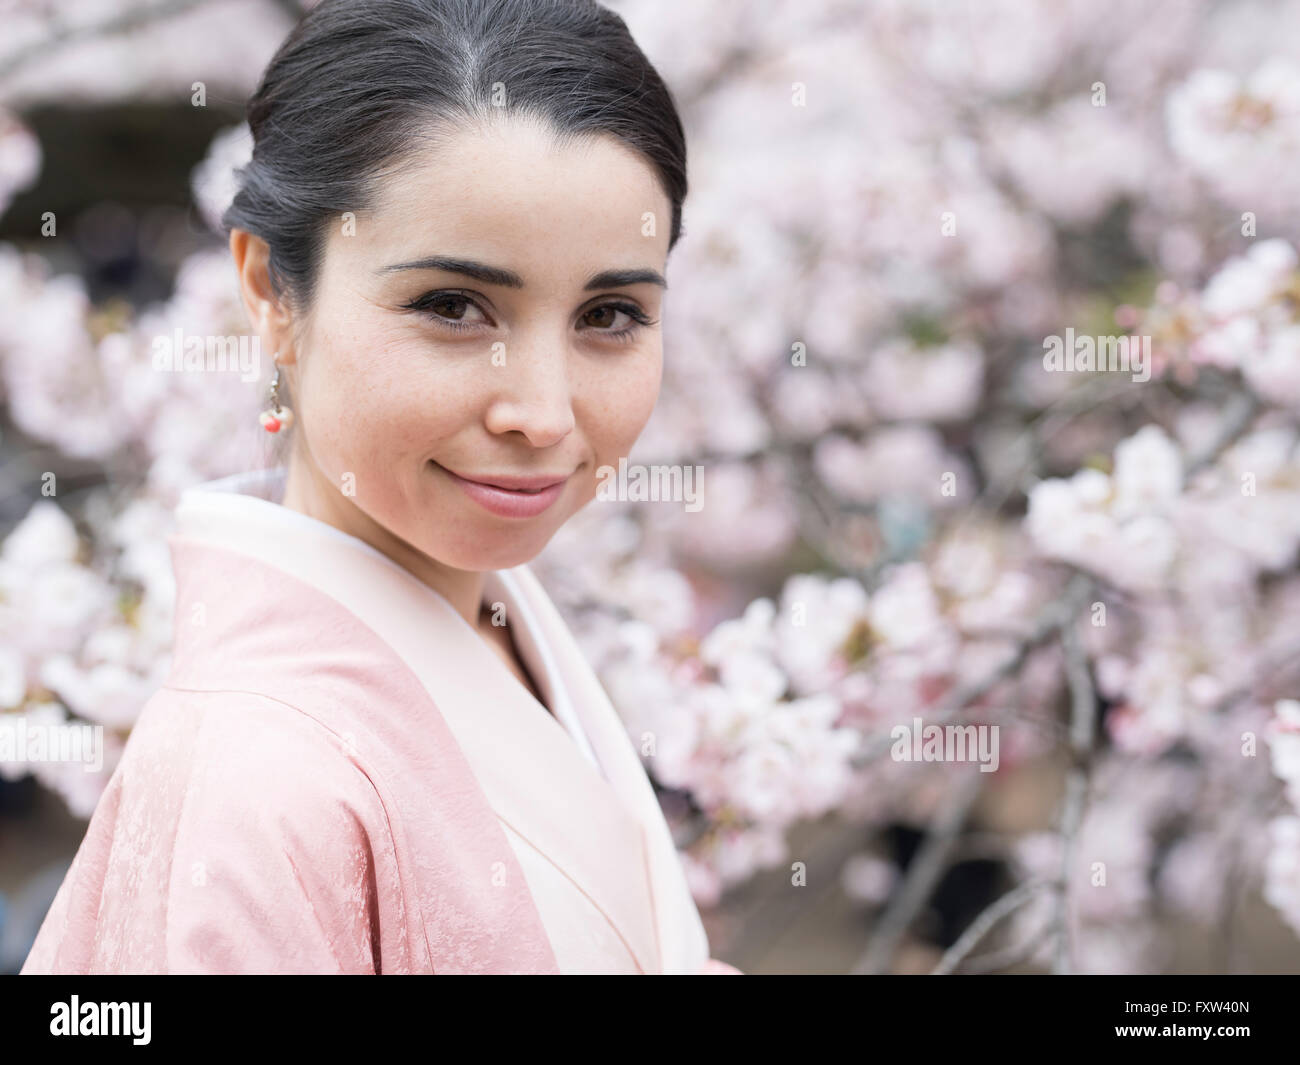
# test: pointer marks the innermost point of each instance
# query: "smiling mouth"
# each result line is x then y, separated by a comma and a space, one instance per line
511, 483
510, 496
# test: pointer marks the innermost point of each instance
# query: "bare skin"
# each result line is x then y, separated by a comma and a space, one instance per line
550, 377
501, 640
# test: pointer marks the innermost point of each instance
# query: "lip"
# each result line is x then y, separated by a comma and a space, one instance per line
509, 496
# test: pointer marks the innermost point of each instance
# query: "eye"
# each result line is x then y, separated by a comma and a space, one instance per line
448, 309
607, 314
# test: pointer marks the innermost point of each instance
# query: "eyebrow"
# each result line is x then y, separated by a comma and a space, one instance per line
494, 275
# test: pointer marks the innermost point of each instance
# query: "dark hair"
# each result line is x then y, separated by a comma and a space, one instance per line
358, 83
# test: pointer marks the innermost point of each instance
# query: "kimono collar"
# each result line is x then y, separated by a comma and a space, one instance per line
244, 509
582, 798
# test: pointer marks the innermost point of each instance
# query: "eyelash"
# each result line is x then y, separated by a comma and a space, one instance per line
426, 302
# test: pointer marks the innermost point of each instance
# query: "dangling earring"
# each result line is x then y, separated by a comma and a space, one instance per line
276, 417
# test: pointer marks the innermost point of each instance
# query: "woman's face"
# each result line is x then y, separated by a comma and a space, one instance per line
532, 359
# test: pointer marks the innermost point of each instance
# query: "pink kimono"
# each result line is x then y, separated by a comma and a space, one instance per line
340, 776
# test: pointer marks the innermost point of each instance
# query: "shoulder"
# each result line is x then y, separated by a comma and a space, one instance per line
243, 758
280, 844
236, 835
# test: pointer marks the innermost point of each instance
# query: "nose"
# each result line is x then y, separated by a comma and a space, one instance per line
532, 395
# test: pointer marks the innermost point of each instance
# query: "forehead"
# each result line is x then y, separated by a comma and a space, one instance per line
510, 195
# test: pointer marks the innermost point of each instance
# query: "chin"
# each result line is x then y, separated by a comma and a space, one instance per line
503, 551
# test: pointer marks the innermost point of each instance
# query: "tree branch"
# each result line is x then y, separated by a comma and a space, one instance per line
985, 923
1049, 621
64, 34
1083, 719
1242, 407
922, 875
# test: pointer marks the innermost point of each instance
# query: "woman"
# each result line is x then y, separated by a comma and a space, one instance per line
379, 749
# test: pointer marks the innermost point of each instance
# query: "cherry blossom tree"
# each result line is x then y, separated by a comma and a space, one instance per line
909, 514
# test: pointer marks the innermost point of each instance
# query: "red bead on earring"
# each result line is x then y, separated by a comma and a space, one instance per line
276, 417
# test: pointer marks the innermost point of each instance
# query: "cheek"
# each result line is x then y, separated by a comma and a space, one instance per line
618, 404
371, 395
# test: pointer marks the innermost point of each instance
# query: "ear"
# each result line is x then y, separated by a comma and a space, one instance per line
271, 319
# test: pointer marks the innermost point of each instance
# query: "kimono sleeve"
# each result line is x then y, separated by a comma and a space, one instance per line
273, 869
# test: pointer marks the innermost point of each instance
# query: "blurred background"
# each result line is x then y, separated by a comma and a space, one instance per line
913, 516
